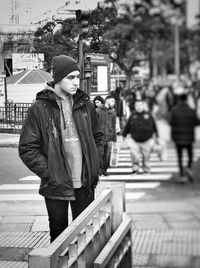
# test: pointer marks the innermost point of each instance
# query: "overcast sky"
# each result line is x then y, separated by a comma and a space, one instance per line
39, 6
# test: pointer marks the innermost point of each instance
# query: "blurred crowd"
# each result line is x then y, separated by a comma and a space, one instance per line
136, 111
159, 99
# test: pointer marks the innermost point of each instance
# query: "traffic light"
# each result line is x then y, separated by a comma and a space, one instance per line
87, 67
82, 17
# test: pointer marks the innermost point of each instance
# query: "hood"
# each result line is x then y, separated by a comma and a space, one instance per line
48, 93
81, 96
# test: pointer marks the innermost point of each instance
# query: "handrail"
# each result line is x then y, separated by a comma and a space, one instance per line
122, 236
49, 257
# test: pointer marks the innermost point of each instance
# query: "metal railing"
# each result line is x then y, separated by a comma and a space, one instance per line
12, 116
83, 240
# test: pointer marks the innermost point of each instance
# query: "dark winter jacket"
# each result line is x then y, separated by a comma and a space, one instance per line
107, 123
183, 120
41, 146
141, 126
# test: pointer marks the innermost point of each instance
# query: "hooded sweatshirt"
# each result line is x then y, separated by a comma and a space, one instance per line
70, 137
41, 145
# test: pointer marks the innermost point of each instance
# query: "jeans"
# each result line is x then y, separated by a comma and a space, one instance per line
58, 210
179, 149
107, 146
140, 153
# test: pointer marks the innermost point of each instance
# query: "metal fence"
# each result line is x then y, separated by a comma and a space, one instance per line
12, 116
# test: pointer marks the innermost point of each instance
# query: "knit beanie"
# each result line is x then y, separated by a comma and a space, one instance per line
63, 65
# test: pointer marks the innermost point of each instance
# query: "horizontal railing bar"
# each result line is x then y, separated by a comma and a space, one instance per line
118, 257
113, 243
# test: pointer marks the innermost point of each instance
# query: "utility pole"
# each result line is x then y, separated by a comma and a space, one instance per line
82, 17
177, 51
80, 60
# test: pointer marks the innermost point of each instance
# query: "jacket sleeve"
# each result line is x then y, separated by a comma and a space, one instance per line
97, 132
114, 127
197, 119
127, 127
155, 129
30, 144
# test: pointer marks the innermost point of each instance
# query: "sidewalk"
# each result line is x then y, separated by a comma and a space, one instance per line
166, 224
9, 140
167, 227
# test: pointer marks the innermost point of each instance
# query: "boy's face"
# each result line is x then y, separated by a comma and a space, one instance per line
111, 102
70, 83
139, 106
98, 103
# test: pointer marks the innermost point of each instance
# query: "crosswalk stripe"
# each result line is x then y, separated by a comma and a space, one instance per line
173, 154
30, 178
153, 170
156, 160
19, 187
152, 164
138, 177
134, 196
142, 185
21, 197
169, 150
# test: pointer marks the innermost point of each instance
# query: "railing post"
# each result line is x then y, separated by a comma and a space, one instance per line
118, 205
118, 201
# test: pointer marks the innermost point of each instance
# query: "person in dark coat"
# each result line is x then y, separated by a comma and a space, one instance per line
142, 130
60, 143
107, 123
183, 120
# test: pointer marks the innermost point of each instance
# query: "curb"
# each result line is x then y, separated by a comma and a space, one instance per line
9, 144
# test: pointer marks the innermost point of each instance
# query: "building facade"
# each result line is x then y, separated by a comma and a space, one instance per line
17, 36
20, 12
60, 13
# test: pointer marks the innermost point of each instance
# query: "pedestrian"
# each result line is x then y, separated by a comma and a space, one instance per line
107, 123
59, 142
119, 107
98, 101
183, 120
142, 131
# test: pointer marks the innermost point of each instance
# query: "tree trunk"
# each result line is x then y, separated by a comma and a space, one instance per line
128, 80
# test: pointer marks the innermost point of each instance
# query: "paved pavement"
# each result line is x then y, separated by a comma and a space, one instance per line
166, 215
9, 140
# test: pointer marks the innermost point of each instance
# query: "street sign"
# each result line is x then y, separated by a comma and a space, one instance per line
100, 75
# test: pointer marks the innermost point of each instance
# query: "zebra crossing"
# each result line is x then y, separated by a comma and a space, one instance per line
21, 191
135, 184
